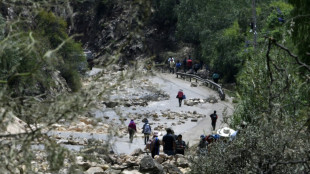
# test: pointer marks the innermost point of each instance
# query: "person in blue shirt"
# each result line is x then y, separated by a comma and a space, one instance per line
215, 77
177, 66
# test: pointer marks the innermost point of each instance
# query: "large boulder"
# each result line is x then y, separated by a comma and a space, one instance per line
171, 169
147, 164
137, 152
94, 170
11, 124
182, 162
159, 159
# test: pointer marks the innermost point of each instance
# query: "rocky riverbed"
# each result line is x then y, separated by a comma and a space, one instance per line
102, 131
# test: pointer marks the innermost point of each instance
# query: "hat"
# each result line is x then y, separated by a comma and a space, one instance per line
225, 132
202, 136
155, 133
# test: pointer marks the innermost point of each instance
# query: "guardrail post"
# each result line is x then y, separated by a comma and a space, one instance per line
207, 82
223, 96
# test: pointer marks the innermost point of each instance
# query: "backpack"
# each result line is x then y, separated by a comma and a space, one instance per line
178, 65
147, 129
180, 94
210, 139
196, 66
189, 62
155, 143
202, 143
213, 116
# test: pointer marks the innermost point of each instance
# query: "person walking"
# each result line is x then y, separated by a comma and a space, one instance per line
180, 145
202, 146
178, 66
146, 129
213, 119
180, 96
215, 77
155, 145
168, 63
131, 129
169, 143
189, 63
184, 64
196, 67
172, 65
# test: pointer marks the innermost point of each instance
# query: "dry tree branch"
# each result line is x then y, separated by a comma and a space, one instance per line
299, 16
290, 53
270, 75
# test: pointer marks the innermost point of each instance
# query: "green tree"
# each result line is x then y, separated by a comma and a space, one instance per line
301, 28
29, 55
273, 101
164, 15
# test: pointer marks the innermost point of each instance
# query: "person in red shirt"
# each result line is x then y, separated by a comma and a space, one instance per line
189, 64
180, 96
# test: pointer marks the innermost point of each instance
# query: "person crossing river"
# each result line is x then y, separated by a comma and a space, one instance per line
147, 130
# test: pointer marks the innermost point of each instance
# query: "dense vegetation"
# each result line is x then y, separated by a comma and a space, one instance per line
273, 82
32, 50
37, 59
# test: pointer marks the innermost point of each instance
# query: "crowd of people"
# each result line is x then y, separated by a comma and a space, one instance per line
174, 144
189, 66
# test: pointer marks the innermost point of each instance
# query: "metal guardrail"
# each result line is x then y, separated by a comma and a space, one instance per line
207, 82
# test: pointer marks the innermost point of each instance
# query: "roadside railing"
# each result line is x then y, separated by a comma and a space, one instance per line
207, 82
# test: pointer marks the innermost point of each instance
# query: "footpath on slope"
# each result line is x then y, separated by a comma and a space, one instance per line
203, 126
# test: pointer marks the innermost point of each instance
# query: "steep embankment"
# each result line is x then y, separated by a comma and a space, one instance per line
119, 31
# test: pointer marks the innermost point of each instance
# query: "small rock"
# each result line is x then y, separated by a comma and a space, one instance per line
79, 159
62, 141
84, 165
182, 162
105, 167
137, 152
194, 120
194, 84
159, 159
131, 172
